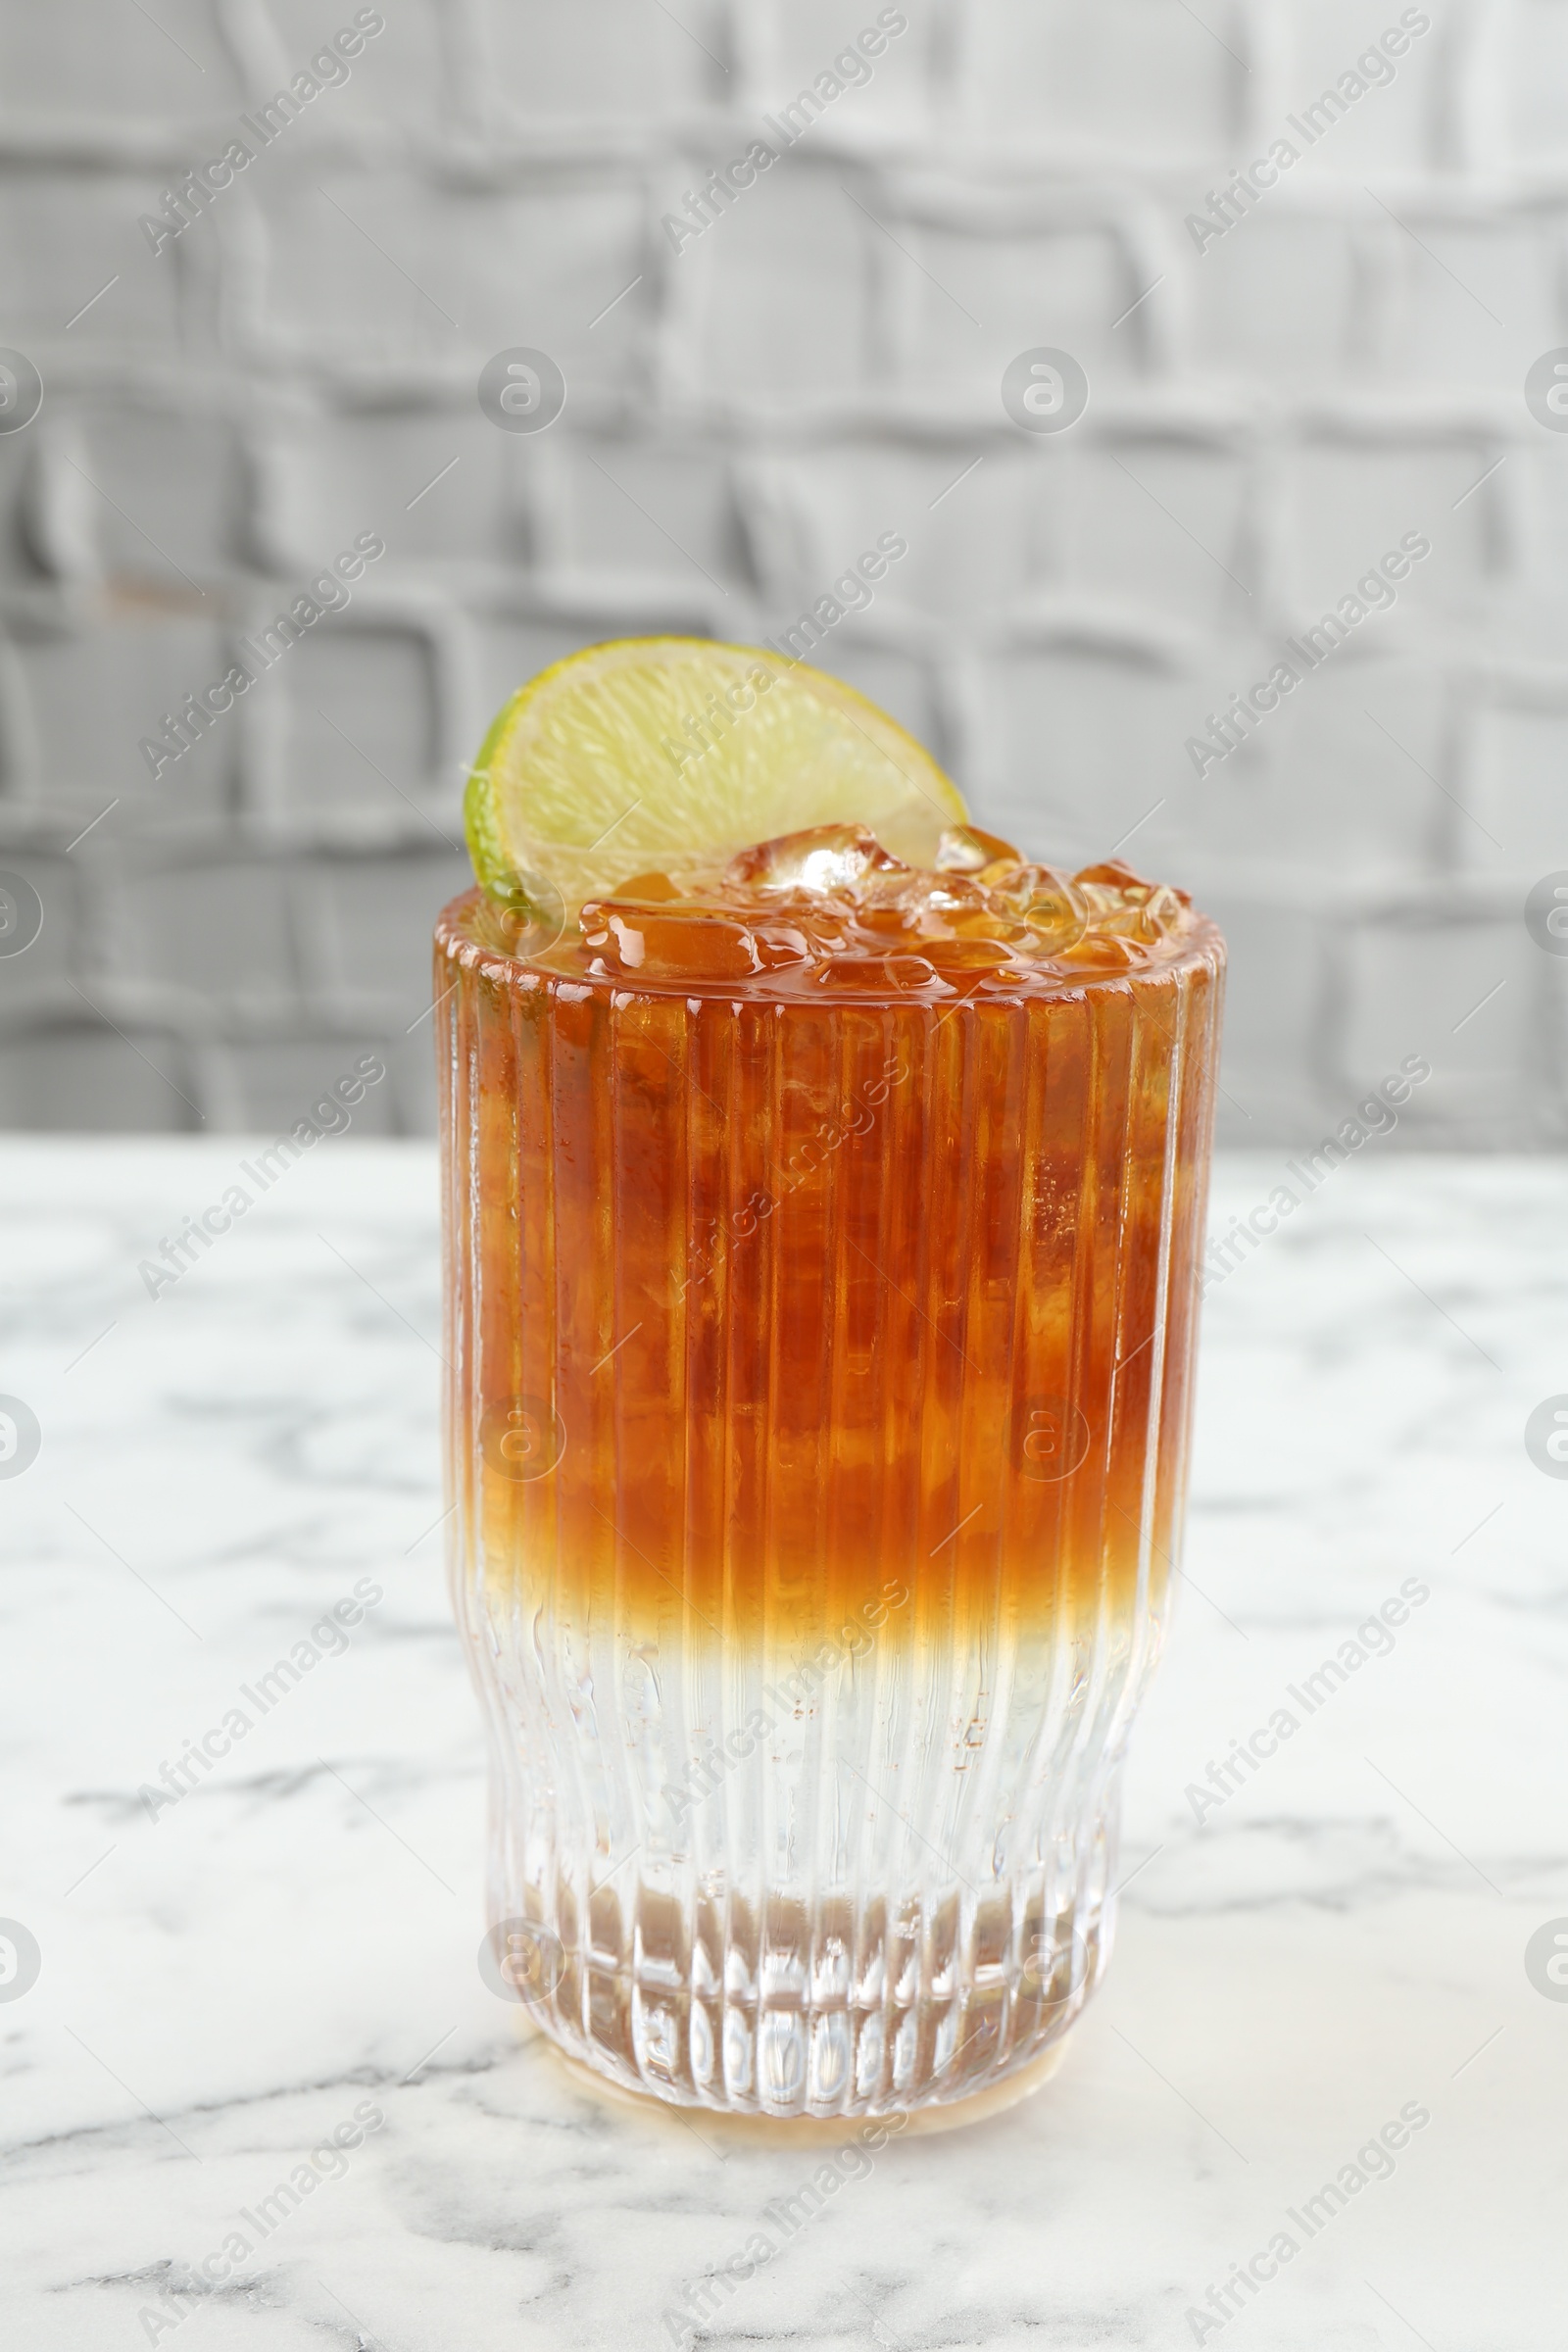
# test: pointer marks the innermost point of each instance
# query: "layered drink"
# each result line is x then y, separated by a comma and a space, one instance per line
823, 1225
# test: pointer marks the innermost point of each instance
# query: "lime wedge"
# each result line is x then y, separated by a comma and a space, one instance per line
654, 753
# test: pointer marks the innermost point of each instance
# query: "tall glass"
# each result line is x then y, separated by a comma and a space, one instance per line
817, 1433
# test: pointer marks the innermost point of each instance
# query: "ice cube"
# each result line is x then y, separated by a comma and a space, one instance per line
877, 975
925, 903
964, 849
1056, 909
1101, 952
679, 941
821, 858
1121, 904
978, 955
1112, 874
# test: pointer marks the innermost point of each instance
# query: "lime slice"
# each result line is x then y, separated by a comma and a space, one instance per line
658, 752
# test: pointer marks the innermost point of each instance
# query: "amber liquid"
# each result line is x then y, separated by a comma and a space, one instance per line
824, 1360
809, 1295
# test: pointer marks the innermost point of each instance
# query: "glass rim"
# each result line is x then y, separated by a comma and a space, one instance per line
1202, 943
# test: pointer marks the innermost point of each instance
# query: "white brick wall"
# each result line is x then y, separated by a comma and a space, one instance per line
822, 364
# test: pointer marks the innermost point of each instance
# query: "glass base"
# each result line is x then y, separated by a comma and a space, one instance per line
825, 2021
801, 2131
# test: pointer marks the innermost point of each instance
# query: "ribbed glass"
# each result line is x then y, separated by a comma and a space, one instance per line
817, 1431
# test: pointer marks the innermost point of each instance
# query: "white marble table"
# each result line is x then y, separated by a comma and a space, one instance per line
223, 1984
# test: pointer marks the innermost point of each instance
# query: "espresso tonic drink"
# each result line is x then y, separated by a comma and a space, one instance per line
822, 1219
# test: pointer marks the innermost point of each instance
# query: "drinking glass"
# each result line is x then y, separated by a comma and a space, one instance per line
817, 1426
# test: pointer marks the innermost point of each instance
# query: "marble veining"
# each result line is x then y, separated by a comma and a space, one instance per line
1333, 1939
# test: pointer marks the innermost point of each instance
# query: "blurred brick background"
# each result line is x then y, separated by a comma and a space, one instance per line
822, 365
